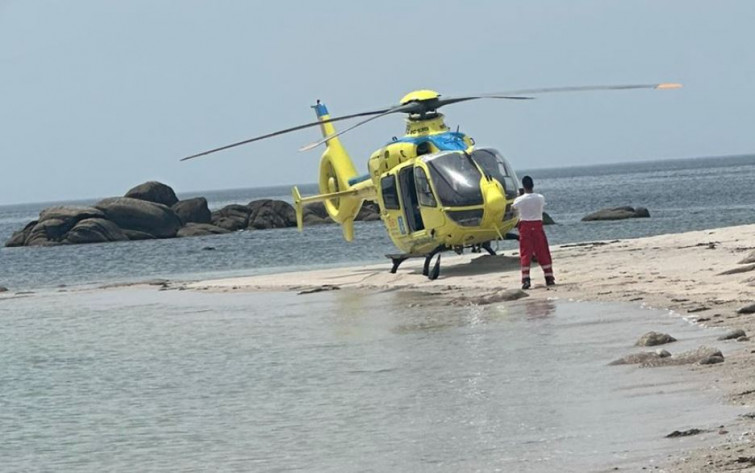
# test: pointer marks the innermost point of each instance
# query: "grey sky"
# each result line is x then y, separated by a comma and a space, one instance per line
98, 96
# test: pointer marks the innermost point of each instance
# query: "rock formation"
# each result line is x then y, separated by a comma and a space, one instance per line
152, 210
617, 213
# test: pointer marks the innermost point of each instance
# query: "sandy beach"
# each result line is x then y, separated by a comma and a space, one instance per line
697, 275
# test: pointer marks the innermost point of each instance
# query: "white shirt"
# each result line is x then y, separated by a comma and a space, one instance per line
529, 206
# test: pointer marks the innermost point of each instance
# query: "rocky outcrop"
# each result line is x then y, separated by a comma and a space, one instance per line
137, 235
153, 191
193, 210
232, 217
617, 213
19, 237
201, 229
141, 215
268, 213
547, 219
53, 225
95, 230
151, 210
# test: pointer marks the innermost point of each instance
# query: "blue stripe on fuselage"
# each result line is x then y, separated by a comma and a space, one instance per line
449, 141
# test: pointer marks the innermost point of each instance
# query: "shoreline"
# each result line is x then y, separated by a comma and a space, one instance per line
681, 273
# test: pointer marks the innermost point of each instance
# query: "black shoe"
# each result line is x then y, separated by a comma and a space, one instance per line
550, 281
526, 283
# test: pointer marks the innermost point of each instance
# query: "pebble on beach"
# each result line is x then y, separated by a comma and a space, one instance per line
733, 334
748, 309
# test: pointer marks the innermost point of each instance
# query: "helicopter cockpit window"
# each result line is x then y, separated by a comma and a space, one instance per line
496, 166
424, 192
390, 193
456, 179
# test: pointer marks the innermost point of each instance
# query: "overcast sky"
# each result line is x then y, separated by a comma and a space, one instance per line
97, 96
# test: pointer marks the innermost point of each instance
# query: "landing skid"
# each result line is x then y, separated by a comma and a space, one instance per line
434, 272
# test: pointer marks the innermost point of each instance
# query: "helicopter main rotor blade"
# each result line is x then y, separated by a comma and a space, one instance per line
548, 90
406, 108
287, 130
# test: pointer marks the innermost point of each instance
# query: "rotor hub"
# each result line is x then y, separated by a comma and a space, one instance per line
419, 96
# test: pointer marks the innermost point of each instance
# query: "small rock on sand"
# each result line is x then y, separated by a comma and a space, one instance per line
684, 433
748, 309
748, 259
638, 358
703, 355
323, 288
741, 269
492, 298
654, 338
733, 334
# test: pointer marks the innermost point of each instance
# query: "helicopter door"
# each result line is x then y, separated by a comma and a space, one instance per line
409, 198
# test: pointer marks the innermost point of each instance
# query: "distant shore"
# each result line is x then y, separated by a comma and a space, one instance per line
678, 272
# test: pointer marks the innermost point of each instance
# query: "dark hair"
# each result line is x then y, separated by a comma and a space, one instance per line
527, 183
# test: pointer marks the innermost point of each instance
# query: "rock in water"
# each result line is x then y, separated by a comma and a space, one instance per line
193, 210
547, 220
201, 229
154, 191
370, 212
137, 235
654, 338
95, 230
617, 213
232, 217
268, 213
19, 238
48, 232
141, 215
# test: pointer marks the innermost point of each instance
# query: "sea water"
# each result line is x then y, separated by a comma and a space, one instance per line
681, 195
147, 380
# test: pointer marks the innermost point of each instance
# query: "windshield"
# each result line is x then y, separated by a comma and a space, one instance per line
456, 179
496, 166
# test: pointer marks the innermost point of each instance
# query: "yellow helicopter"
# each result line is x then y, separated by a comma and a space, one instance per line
436, 191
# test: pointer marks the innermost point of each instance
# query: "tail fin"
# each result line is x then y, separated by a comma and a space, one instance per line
336, 170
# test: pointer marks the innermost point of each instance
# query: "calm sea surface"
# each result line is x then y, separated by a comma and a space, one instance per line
147, 380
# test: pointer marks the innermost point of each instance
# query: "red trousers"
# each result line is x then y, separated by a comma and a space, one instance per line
532, 241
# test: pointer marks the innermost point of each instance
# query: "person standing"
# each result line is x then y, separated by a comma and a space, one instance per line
532, 239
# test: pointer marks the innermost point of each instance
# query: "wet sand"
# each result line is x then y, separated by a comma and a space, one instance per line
697, 275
